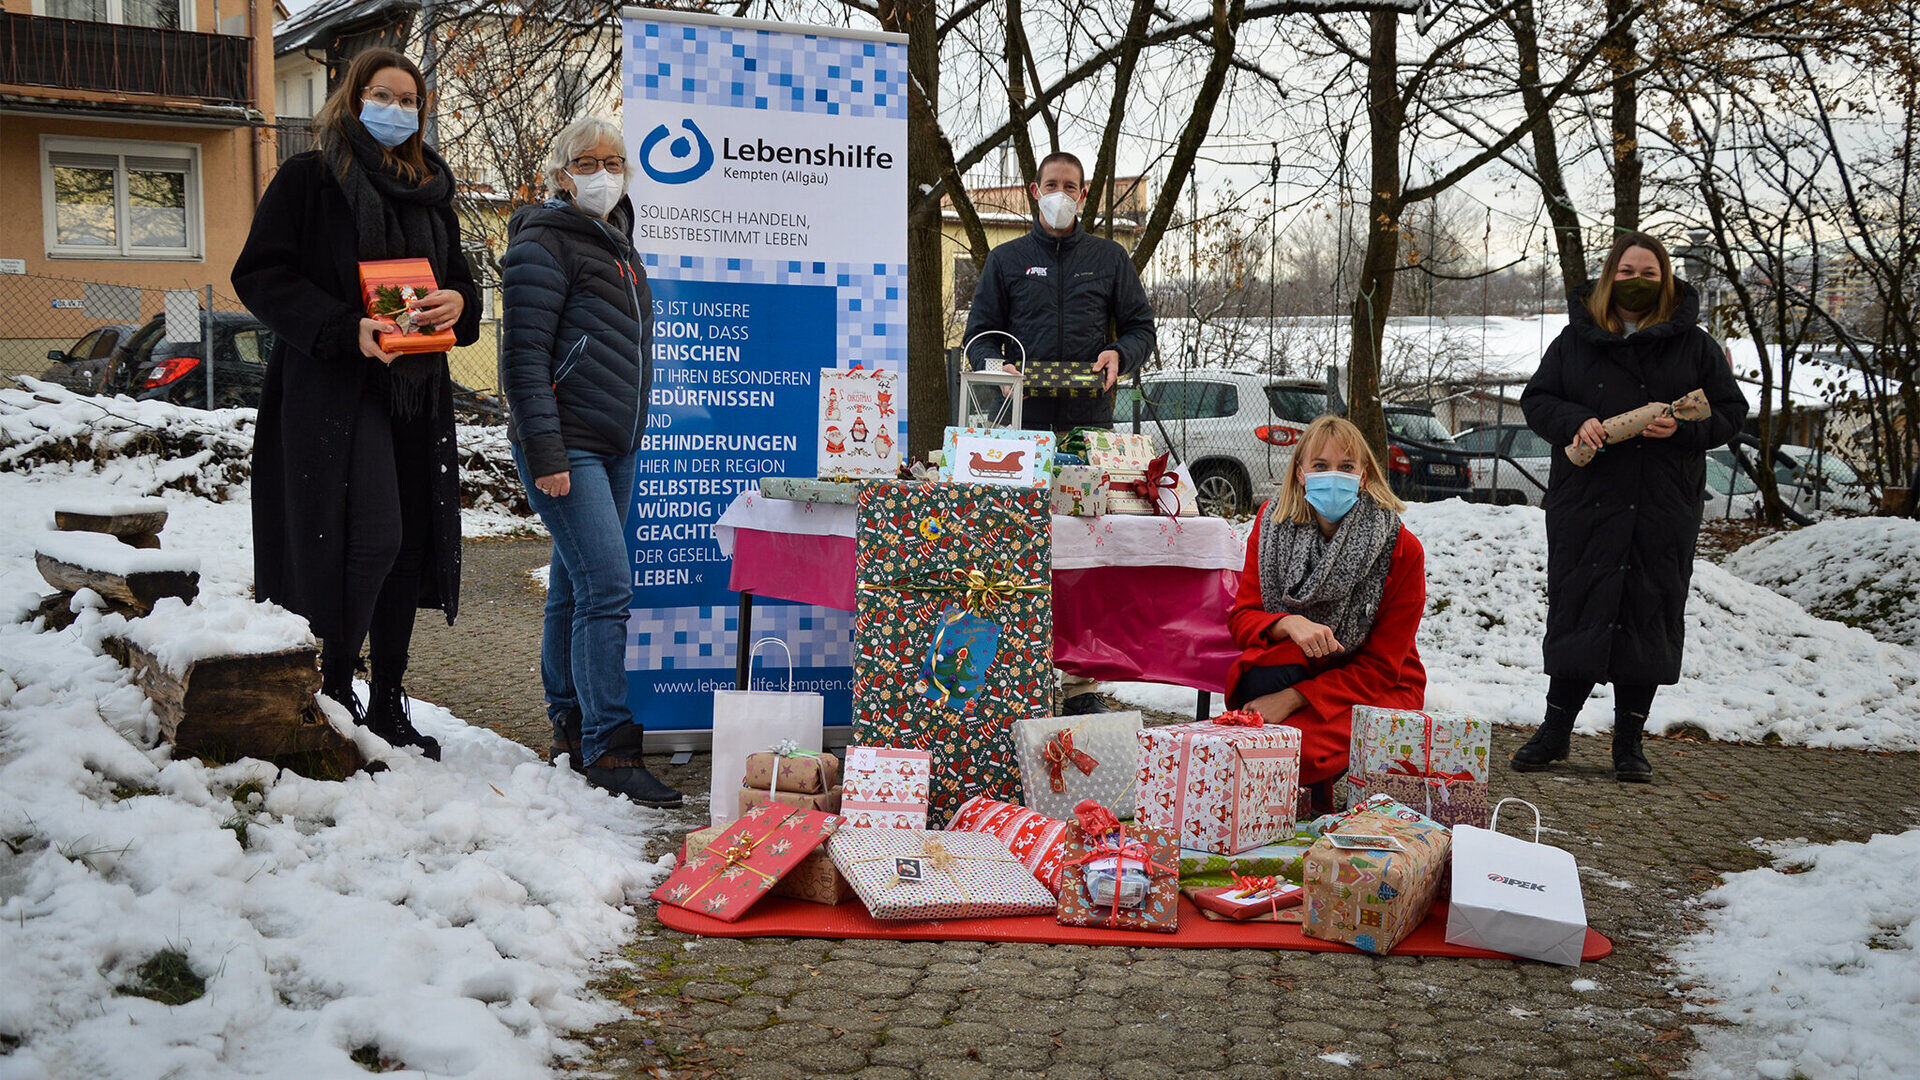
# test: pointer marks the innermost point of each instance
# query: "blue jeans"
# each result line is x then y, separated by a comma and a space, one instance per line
583, 647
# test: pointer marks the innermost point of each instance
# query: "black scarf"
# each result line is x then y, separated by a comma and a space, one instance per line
1336, 583
396, 219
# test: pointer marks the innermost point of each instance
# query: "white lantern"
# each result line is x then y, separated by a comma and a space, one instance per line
990, 398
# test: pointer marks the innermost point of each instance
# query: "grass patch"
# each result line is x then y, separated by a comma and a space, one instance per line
245, 792
123, 792
167, 978
238, 825
369, 1058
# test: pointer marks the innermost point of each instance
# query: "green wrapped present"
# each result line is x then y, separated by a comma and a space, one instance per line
1206, 868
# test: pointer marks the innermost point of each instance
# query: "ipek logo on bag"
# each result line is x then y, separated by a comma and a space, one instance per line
1516, 883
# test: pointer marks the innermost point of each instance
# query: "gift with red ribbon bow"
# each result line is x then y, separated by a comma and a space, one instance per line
1097, 843
1435, 761
1249, 897
1064, 759
1224, 785
1059, 752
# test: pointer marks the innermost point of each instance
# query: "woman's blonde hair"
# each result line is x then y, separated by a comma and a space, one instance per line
1291, 505
577, 138
1600, 300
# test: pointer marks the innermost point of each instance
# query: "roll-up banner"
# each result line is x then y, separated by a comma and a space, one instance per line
770, 194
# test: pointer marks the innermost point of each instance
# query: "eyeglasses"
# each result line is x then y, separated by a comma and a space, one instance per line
587, 166
380, 95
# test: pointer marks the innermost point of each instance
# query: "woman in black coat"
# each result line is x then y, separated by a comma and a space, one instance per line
1621, 530
356, 485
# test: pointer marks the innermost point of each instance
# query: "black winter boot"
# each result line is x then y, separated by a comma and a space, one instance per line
566, 740
1549, 744
1630, 766
336, 682
620, 771
387, 717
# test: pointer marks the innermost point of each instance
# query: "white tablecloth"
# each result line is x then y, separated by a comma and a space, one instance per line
1079, 543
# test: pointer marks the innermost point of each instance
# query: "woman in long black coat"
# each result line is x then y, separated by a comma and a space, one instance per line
1621, 530
356, 484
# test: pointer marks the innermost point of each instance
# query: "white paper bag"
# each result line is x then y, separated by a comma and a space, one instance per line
746, 721
1516, 897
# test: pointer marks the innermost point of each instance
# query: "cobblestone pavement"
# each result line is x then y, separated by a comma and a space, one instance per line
776, 1008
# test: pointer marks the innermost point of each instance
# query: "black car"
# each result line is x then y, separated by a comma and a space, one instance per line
81, 366
1423, 462
149, 367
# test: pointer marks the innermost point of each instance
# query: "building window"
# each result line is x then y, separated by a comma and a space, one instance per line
108, 199
159, 14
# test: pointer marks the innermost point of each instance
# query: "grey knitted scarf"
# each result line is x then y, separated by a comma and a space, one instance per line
1341, 587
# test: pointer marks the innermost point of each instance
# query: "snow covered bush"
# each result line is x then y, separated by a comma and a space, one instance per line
1864, 572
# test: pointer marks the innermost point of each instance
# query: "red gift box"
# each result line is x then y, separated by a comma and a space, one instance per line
1037, 840
746, 861
1249, 897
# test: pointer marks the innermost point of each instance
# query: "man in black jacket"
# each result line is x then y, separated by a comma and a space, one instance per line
1067, 295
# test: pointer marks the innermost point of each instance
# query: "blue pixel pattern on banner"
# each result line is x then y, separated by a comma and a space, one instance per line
764, 271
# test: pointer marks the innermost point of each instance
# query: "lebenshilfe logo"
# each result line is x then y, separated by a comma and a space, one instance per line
1516, 883
691, 152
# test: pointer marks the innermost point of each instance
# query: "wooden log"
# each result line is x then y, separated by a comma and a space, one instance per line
139, 590
127, 527
258, 705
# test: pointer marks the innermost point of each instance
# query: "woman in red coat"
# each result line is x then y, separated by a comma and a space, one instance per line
1329, 602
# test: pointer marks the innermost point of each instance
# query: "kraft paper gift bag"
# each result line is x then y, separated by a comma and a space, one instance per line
746, 721
1516, 897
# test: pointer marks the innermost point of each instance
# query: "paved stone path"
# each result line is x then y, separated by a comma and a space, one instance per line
775, 1008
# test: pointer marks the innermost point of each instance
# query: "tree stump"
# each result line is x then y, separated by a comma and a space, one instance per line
251, 705
139, 589
140, 530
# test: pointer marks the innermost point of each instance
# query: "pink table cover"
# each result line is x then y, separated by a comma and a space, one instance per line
1160, 624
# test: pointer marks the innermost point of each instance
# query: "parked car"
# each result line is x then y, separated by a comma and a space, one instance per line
83, 365
1820, 483
1236, 431
1522, 475
149, 367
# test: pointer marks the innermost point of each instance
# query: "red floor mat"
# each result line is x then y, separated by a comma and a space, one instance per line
778, 916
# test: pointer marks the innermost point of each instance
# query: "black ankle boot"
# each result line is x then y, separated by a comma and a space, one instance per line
1630, 766
1549, 744
387, 717
336, 682
566, 740
621, 772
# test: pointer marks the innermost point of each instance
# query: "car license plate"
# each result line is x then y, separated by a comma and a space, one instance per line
1441, 470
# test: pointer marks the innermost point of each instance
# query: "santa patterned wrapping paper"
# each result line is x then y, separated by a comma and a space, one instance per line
790, 769
886, 787
800, 489
815, 880
1434, 758
1080, 491
1220, 787
953, 629
859, 423
1034, 838
917, 874
1372, 899
828, 801
746, 861
1131, 847
1064, 759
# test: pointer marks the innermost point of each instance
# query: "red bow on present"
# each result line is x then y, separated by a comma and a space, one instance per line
1240, 718
1403, 767
1255, 888
1060, 750
1159, 478
1096, 820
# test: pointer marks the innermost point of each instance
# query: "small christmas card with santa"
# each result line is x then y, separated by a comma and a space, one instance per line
859, 424
885, 787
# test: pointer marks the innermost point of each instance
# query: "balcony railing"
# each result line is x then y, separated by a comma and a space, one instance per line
74, 54
294, 136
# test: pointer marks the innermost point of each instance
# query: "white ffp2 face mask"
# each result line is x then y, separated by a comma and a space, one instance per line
596, 193
1058, 209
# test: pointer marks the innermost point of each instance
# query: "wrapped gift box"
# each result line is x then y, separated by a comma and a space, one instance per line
792, 770
886, 787
917, 874
1034, 838
1124, 450
1220, 787
999, 456
1130, 847
1080, 491
746, 861
1433, 760
1282, 860
827, 802
1064, 759
859, 423
1175, 494
1373, 899
1448, 802
815, 880
1372, 804
1249, 899
953, 628
800, 489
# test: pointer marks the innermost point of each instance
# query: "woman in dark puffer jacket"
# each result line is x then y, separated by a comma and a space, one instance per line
575, 362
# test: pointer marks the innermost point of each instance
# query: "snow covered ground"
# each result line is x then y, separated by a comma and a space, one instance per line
447, 916
1814, 964
1864, 571
1757, 665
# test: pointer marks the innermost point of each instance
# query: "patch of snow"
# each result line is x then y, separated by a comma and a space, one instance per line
1583, 986
541, 575
1340, 1058
103, 506
1865, 571
107, 555
178, 634
1814, 965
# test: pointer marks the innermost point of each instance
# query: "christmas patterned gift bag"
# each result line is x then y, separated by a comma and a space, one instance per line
1222, 785
746, 861
859, 423
1373, 898
915, 874
1121, 877
1433, 761
953, 629
1064, 759
886, 787
1034, 838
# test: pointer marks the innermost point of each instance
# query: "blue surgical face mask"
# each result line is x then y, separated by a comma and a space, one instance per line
390, 124
1332, 493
